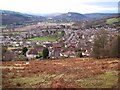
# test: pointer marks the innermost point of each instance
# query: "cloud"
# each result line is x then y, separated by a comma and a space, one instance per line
53, 6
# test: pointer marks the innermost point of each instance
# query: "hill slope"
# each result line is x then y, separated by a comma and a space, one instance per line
16, 18
99, 15
70, 16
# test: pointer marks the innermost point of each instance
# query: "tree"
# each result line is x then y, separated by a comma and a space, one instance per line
45, 53
63, 33
4, 50
40, 54
24, 50
96, 49
99, 46
79, 54
115, 47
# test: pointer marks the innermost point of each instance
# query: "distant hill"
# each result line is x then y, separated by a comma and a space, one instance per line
99, 15
70, 16
16, 18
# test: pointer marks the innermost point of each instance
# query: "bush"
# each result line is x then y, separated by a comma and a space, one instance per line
22, 57
37, 57
79, 54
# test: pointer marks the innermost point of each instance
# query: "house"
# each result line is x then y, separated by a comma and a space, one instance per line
57, 45
55, 55
65, 54
39, 48
49, 45
32, 53
10, 55
55, 52
69, 52
86, 54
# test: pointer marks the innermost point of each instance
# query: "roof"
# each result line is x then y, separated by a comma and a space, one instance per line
32, 51
39, 48
49, 44
57, 45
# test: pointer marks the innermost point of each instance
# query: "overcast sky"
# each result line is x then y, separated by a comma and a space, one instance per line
60, 6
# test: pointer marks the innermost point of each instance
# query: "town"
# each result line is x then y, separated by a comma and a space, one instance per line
59, 44
61, 39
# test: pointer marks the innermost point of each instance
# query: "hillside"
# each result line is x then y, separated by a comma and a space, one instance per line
112, 21
99, 15
16, 18
67, 73
70, 16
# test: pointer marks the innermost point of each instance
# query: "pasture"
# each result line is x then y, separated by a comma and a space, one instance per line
45, 38
112, 20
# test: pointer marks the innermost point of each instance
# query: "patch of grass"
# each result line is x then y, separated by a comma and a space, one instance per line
59, 33
11, 48
106, 80
31, 81
51, 39
112, 20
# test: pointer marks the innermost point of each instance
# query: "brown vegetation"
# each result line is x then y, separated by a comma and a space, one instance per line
55, 73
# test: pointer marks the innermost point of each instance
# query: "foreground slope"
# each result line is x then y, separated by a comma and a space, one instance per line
66, 73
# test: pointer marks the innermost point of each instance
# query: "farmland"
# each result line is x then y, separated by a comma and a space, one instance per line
63, 73
112, 20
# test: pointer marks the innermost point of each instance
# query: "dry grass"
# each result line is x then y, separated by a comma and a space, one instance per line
72, 72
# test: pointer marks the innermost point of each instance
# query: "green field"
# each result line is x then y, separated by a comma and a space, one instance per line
59, 33
112, 20
50, 39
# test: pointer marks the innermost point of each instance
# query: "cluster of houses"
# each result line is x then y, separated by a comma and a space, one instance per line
64, 47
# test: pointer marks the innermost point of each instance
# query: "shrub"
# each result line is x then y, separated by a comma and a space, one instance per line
22, 57
79, 54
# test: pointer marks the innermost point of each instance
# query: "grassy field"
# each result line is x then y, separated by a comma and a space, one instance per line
51, 39
67, 73
59, 33
112, 20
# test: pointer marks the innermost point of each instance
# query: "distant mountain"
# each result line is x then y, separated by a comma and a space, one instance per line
54, 14
99, 15
16, 18
70, 16
73, 16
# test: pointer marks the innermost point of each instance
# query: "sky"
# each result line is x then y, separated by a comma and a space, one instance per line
60, 6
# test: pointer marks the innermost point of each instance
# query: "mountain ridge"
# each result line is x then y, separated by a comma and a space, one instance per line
12, 17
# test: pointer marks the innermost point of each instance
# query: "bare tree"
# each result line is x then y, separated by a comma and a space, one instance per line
99, 46
115, 47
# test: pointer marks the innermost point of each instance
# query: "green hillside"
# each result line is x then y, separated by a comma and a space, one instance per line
112, 20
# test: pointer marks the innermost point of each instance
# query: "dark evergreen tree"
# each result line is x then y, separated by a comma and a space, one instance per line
24, 50
45, 53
